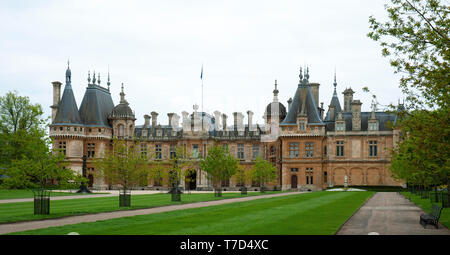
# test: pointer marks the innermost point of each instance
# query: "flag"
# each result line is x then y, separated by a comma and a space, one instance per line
201, 74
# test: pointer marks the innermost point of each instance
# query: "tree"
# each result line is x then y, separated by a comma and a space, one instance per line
416, 39
122, 165
219, 165
241, 177
22, 128
263, 172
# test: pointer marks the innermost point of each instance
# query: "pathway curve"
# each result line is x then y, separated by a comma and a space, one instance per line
389, 213
30, 225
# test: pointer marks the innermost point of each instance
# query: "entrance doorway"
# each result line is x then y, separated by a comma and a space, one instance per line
294, 181
190, 181
91, 180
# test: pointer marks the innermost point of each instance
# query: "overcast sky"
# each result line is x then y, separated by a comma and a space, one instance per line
157, 48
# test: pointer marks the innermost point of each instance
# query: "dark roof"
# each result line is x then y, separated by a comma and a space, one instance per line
303, 98
67, 112
97, 104
384, 119
122, 110
337, 108
281, 109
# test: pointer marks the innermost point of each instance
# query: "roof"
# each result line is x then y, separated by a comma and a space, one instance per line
97, 104
122, 110
67, 112
281, 109
337, 108
303, 103
384, 119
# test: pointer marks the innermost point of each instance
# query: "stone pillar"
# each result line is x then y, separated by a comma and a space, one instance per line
250, 120
170, 115
224, 122
216, 120
238, 121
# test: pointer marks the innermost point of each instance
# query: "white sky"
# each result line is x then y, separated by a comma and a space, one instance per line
156, 48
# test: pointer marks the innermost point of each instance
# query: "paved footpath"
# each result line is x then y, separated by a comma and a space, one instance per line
30, 225
389, 213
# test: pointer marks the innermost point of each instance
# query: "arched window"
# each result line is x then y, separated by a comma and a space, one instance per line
121, 130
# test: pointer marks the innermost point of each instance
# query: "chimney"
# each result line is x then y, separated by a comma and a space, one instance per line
356, 115
348, 98
170, 115
224, 122
56, 97
238, 121
175, 121
289, 103
154, 119
250, 120
216, 120
321, 111
186, 122
147, 120
315, 92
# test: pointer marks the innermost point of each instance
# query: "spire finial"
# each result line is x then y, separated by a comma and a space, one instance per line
68, 73
93, 78
300, 75
109, 83
307, 73
98, 78
89, 77
122, 96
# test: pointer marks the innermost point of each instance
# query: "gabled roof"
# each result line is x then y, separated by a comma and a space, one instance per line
97, 104
303, 103
67, 112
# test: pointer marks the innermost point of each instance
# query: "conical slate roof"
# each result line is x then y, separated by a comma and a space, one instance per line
96, 106
337, 108
303, 103
67, 108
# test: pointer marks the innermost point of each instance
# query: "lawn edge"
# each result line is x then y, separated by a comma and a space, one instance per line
365, 202
83, 214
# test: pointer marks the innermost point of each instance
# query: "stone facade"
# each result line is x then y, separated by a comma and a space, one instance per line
310, 151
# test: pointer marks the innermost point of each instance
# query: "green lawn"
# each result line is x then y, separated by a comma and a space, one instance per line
425, 204
23, 211
23, 193
315, 213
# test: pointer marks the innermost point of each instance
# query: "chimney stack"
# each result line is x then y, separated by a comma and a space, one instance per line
356, 115
289, 103
147, 120
238, 121
154, 119
170, 115
216, 120
56, 97
224, 122
250, 120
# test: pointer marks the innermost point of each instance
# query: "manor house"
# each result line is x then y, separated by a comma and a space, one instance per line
311, 149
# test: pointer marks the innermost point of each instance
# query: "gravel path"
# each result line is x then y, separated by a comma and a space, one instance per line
389, 213
30, 225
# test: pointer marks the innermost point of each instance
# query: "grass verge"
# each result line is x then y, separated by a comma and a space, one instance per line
425, 204
315, 213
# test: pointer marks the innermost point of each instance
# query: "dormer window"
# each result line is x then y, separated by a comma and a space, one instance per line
158, 132
340, 126
373, 125
301, 125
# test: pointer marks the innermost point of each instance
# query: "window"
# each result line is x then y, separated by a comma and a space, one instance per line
91, 150
325, 150
90, 130
283, 128
309, 150
225, 148
325, 177
99, 130
60, 129
301, 125
340, 126
372, 126
309, 175
158, 151
68, 128
312, 129
121, 131
75, 129
293, 150
144, 150
272, 150
372, 148
340, 148
62, 147
294, 169
195, 151
173, 151
255, 151
240, 151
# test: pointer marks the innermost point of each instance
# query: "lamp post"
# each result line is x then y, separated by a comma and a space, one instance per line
83, 188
